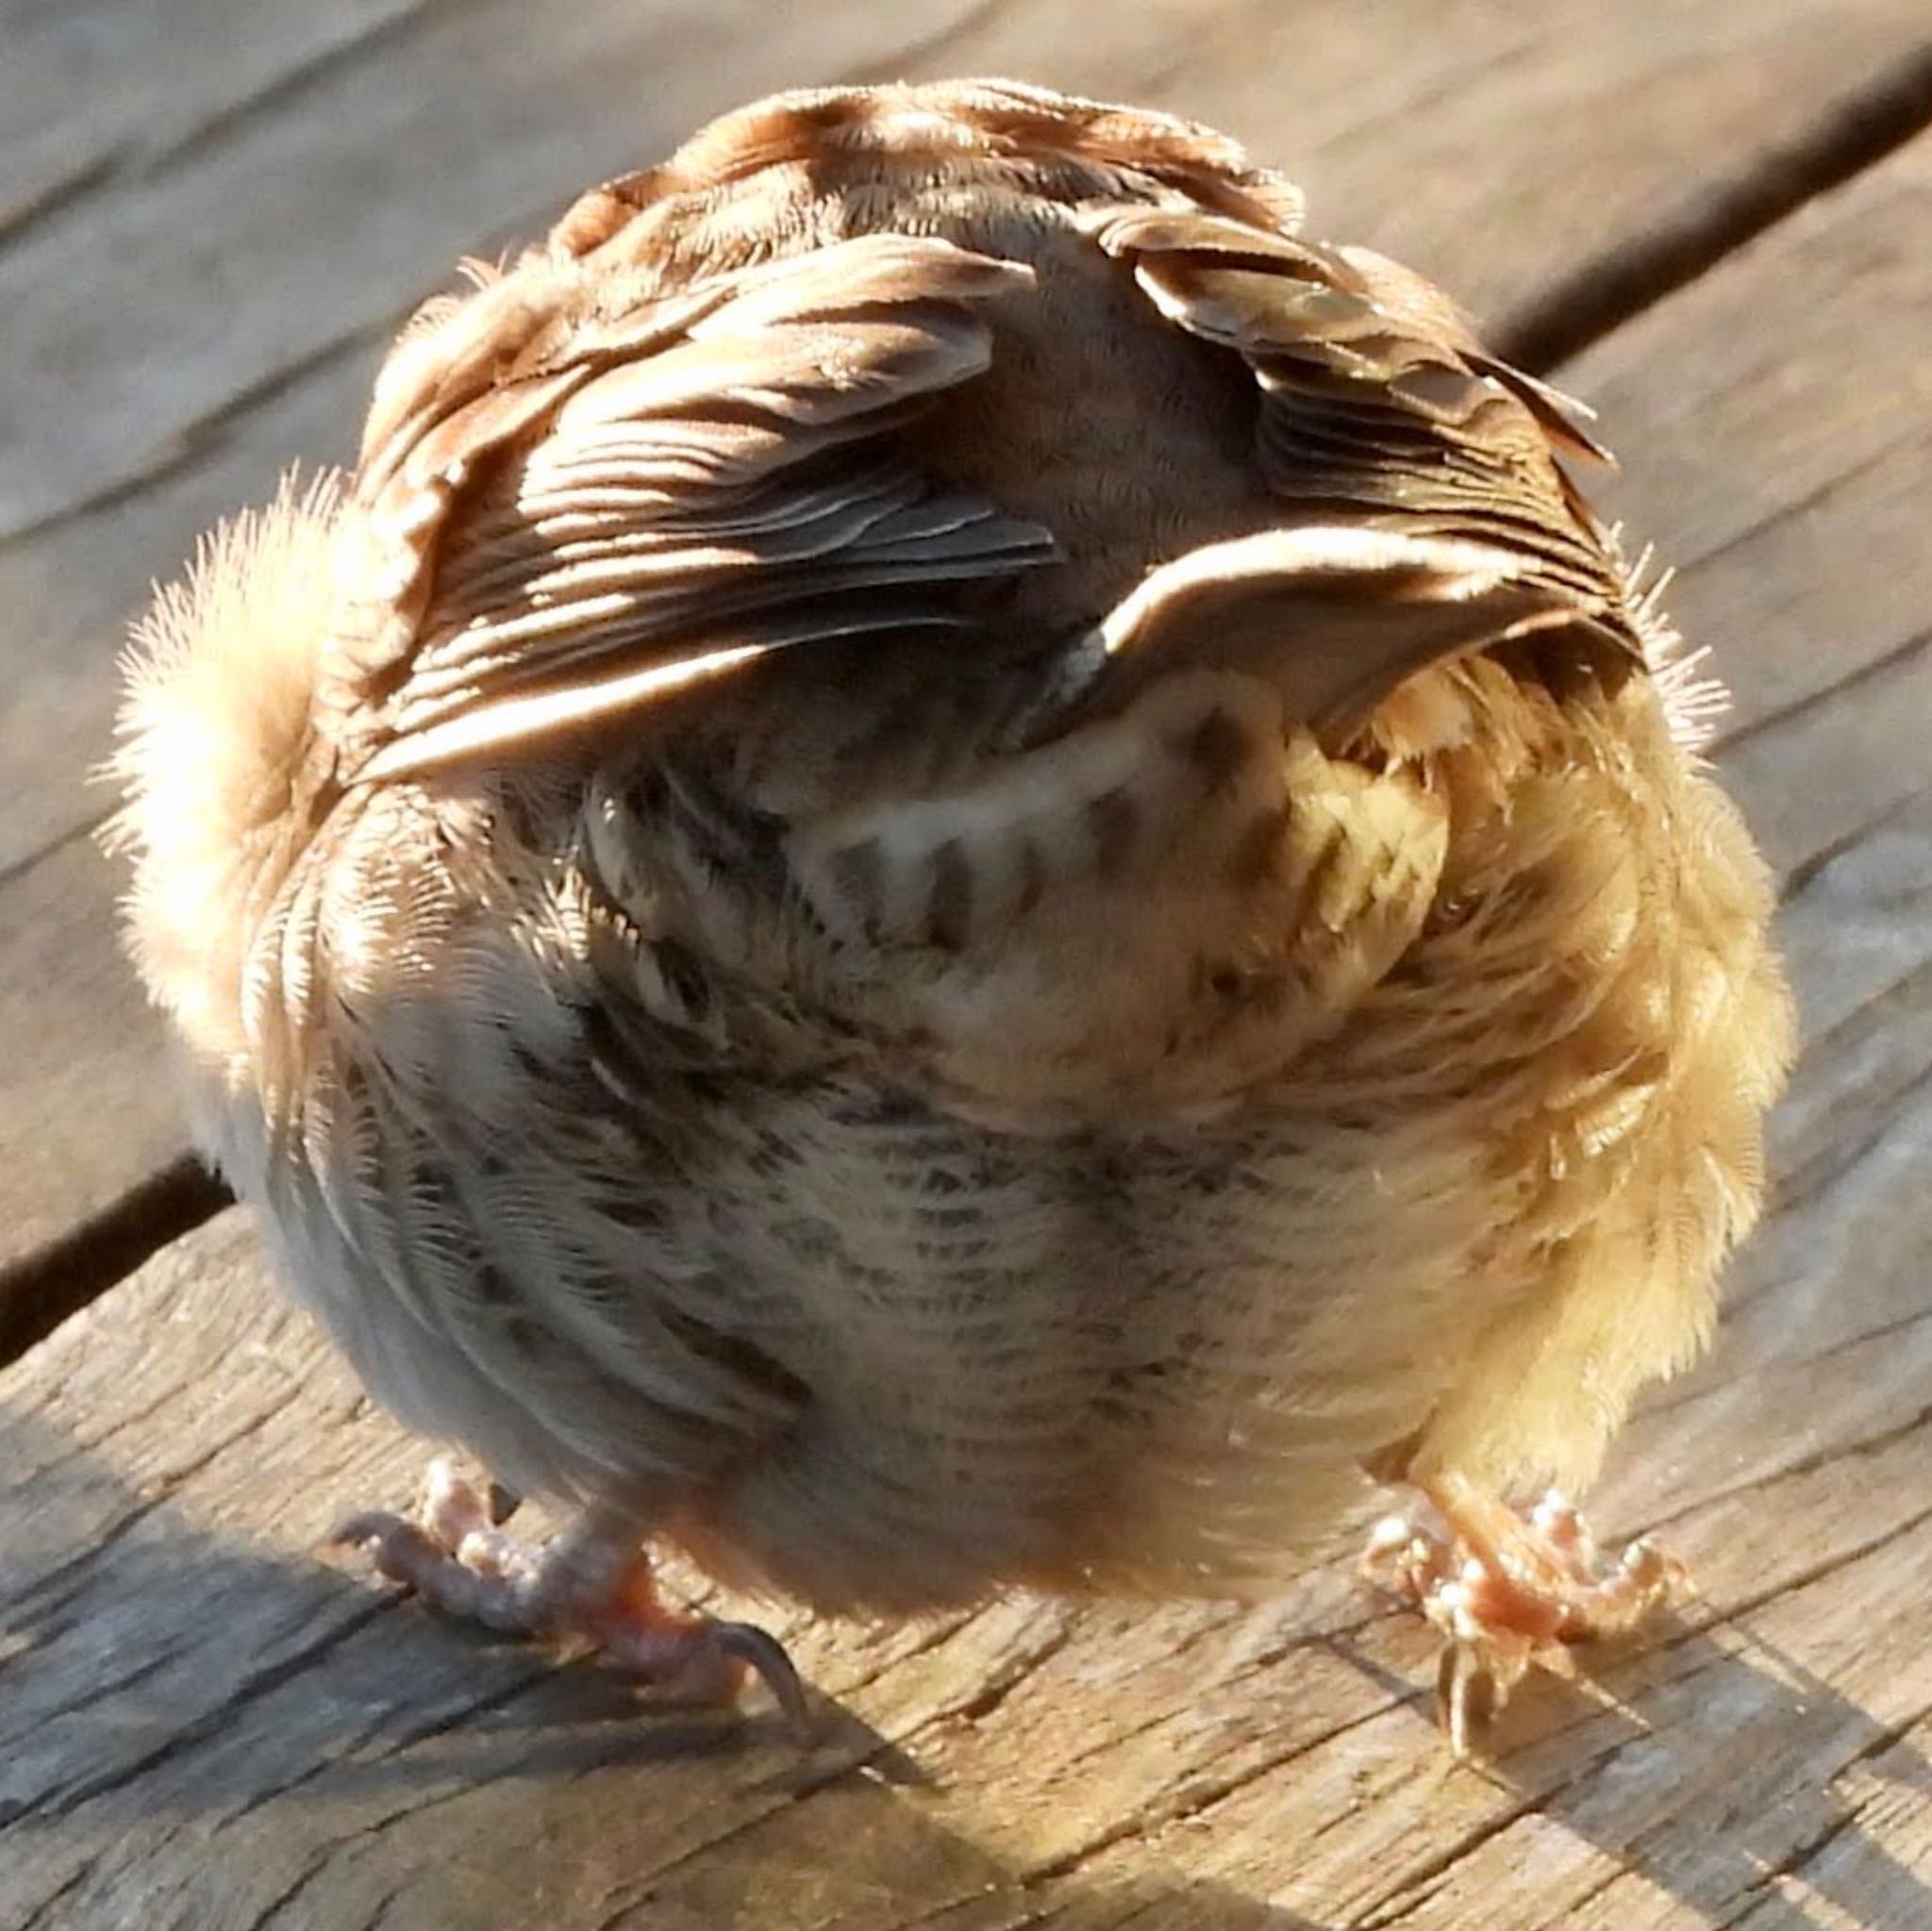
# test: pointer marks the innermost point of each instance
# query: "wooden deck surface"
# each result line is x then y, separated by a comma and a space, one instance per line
1712, 219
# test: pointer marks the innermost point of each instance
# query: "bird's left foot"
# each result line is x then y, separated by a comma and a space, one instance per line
590, 1588
1510, 1593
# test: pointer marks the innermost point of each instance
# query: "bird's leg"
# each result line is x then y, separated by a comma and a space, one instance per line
590, 1585
1507, 1593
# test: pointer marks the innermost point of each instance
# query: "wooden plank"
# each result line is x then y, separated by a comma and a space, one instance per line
201, 1723
1773, 423
224, 226
1502, 150
92, 88
462, 131
64, 1133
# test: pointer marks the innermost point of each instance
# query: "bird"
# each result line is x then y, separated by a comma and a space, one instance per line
957, 868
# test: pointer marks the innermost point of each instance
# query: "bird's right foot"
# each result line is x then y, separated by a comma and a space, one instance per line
590, 1588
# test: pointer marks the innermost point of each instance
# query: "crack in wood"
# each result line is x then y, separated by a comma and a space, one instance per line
51, 197
1857, 131
122, 163
1843, 1345
934, 1636
41, 1914
1818, 1571
988, 1695
253, 1685
345, 1748
325, 1856
1795, 510
187, 444
1801, 876
103, 1689
1805, 1851
1184, 1802
1800, 1189
1796, 1471
50, 847
1858, 675
1808, 1851
1427, 1882
44, 1287
314, 72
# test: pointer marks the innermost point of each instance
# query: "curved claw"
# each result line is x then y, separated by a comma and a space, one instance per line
1467, 1695
1511, 1595
368, 1525
763, 1653
590, 1585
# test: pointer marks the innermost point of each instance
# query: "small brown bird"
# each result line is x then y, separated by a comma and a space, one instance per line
957, 868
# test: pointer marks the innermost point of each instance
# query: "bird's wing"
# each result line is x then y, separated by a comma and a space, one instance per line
576, 498
1426, 511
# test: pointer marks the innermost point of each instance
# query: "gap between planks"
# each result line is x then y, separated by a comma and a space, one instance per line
1855, 132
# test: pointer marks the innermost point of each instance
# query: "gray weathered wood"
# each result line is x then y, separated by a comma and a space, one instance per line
207, 230
94, 87
1772, 421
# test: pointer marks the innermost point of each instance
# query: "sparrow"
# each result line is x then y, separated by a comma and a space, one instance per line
957, 868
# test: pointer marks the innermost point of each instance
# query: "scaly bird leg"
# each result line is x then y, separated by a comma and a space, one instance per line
590, 1585
1507, 1593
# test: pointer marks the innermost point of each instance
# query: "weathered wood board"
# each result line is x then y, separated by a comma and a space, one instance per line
204, 1724
208, 228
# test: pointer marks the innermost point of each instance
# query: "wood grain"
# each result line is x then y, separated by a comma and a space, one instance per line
1775, 423
212, 232
92, 89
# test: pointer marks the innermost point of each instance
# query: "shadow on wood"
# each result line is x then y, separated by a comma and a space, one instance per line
1711, 1827
193, 1730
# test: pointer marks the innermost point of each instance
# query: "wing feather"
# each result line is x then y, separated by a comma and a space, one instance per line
564, 514
1426, 511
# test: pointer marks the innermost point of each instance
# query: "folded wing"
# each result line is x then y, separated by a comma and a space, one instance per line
569, 507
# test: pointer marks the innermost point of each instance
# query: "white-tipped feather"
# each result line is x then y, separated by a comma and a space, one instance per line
1694, 698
